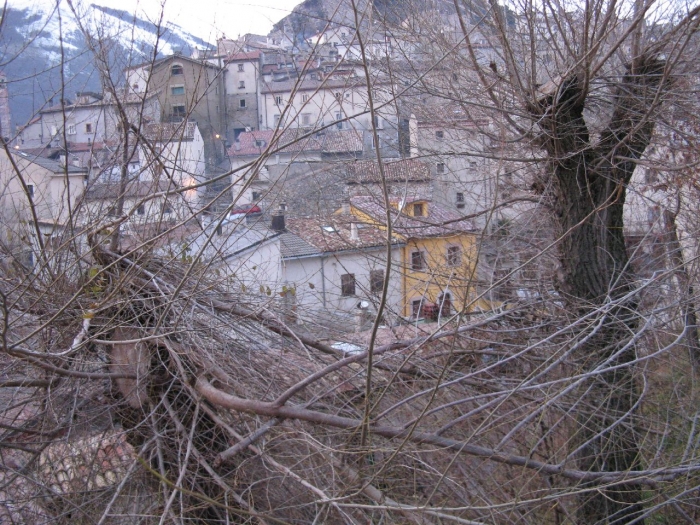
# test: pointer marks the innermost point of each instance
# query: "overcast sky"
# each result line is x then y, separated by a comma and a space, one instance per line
231, 17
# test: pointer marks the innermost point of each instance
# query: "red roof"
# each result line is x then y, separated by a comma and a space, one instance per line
252, 55
439, 221
289, 141
404, 170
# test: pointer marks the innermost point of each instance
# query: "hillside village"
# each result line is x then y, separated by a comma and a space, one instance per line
264, 159
260, 158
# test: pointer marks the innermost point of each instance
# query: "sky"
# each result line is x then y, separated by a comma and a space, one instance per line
208, 19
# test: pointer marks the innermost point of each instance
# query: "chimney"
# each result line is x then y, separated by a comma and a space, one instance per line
354, 234
278, 220
345, 206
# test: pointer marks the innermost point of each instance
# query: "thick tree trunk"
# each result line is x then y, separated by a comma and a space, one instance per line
590, 182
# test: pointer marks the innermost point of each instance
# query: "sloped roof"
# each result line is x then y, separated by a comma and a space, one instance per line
290, 141
49, 164
342, 141
333, 233
404, 170
292, 245
251, 55
439, 222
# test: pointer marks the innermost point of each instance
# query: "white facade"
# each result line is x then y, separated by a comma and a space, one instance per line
176, 154
318, 281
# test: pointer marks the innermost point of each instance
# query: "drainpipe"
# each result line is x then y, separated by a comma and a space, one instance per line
323, 281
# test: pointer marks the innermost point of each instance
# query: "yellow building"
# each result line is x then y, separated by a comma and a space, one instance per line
438, 266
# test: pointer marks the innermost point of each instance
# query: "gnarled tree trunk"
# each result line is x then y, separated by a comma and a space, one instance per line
590, 181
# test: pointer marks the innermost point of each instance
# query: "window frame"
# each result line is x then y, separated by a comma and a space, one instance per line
439, 134
241, 84
88, 127
376, 281
176, 70
177, 90
348, 285
418, 209
418, 261
240, 68
178, 112
417, 308
453, 256
242, 103
440, 168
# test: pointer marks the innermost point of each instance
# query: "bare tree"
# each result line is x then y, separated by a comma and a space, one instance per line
162, 364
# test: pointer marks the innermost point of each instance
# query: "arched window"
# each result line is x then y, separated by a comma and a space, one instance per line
176, 69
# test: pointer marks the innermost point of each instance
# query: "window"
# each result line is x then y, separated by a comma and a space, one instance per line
112, 212
176, 69
376, 281
241, 84
241, 103
377, 122
276, 120
167, 208
278, 100
30, 190
339, 122
416, 308
256, 196
177, 90
219, 229
418, 261
454, 256
141, 210
304, 98
347, 284
338, 96
306, 119
439, 135
240, 68
88, 128
179, 110
259, 143
651, 175
418, 210
445, 302
71, 129
440, 167
459, 200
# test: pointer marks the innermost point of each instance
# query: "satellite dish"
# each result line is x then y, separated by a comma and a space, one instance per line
363, 305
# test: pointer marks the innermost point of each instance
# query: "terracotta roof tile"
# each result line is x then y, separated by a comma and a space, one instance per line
289, 141
438, 222
334, 233
404, 170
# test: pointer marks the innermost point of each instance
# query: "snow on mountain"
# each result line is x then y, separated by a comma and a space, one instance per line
46, 55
